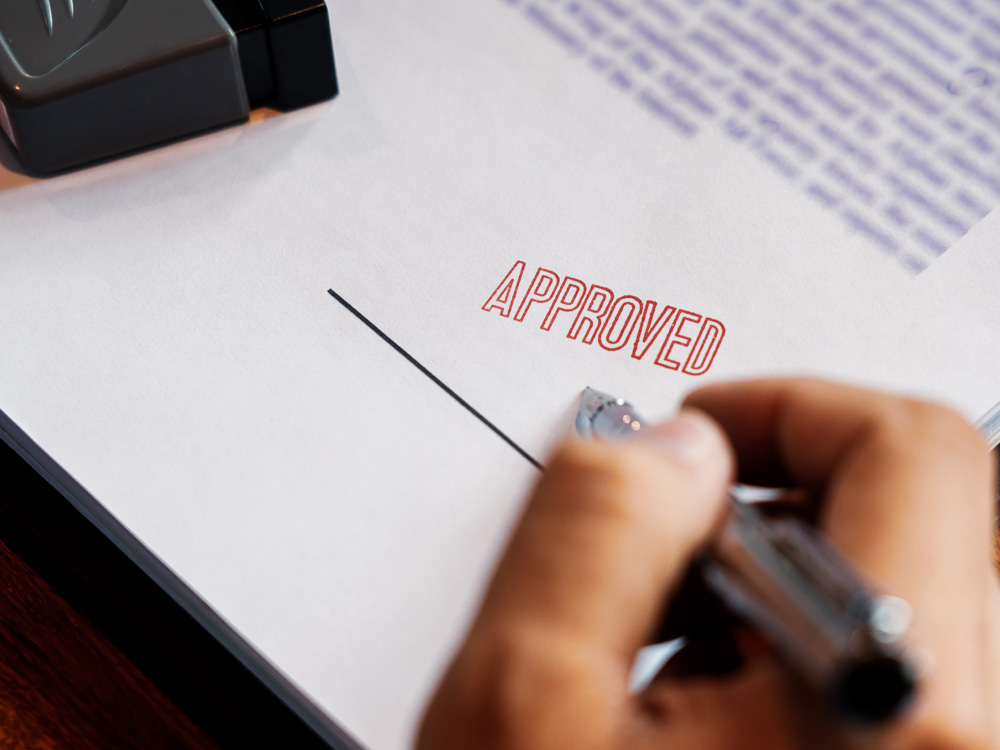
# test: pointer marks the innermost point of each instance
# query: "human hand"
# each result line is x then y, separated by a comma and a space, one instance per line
904, 489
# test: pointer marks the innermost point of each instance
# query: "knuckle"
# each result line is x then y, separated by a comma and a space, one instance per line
924, 424
938, 434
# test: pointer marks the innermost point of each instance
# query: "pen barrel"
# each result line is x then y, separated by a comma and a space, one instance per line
830, 627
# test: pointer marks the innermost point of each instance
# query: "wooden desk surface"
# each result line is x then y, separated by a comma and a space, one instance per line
62, 685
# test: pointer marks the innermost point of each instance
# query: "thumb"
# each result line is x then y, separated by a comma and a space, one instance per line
607, 534
603, 539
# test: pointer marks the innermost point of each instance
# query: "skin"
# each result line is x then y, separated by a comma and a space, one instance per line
904, 488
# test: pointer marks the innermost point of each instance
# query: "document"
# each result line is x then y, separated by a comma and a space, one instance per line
314, 362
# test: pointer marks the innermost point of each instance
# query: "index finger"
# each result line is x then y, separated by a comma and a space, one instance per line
891, 470
798, 431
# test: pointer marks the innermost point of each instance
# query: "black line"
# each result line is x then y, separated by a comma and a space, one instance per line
500, 433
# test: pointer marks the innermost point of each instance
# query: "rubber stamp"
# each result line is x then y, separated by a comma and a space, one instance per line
82, 80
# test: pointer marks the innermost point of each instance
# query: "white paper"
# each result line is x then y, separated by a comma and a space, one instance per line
170, 341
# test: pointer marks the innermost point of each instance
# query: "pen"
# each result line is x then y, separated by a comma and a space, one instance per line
832, 628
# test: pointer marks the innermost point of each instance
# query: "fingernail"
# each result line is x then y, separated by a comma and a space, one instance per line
690, 437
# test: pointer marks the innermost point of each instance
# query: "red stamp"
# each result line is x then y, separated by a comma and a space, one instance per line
683, 340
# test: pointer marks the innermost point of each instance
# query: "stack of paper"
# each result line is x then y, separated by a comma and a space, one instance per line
528, 197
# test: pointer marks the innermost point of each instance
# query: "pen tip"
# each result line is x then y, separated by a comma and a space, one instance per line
591, 400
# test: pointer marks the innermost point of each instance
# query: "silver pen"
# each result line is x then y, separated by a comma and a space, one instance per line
840, 635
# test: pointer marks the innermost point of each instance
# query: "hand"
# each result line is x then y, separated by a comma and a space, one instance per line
904, 488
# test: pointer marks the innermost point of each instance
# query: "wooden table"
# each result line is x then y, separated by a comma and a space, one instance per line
63, 685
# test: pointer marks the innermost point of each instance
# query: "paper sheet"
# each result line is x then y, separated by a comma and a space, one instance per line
171, 341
